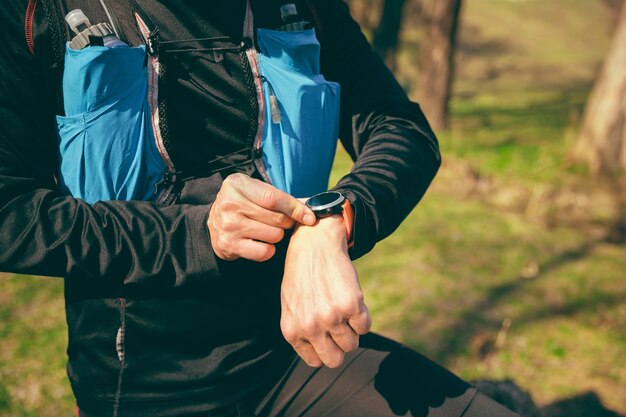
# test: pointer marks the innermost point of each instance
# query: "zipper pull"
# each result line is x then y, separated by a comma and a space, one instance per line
274, 109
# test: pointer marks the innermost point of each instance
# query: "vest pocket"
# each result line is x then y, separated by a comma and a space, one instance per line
106, 143
302, 112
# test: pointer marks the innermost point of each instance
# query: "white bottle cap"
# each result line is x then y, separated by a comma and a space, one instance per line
287, 10
76, 18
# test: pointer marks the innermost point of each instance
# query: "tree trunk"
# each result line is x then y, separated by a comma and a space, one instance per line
388, 30
437, 66
365, 12
602, 140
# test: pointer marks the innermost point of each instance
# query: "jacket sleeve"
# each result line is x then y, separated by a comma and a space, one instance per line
116, 244
396, 153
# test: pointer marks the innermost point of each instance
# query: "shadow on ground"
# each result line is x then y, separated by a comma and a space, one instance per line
476, 317
506, 392
510, 395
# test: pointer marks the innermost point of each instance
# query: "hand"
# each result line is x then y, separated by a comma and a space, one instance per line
249, 216
323, 312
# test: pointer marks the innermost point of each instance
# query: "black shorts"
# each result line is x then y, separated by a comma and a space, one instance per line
382, 378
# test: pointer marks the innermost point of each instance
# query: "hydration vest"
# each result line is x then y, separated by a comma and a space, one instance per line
111, 144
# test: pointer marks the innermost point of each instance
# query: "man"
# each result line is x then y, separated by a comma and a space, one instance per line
184, 306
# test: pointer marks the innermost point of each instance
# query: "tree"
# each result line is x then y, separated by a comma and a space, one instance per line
366, 12
437, 66
602, 140
386, 34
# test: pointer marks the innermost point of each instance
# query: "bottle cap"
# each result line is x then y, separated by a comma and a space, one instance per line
287, 10
77, 20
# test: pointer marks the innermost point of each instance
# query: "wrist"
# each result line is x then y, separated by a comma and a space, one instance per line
330, 203
330, 230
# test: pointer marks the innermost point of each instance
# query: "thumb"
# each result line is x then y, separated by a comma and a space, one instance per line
309, 217
294, 208
271, 198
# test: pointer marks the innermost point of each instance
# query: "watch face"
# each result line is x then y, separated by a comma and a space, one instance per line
325, 199
326, 203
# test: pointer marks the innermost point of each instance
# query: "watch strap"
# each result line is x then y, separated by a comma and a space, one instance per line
348, 220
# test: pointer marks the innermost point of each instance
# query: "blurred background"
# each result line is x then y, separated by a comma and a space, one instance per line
512, 270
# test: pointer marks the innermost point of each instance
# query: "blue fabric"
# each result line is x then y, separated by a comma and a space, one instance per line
298, 151
107, 145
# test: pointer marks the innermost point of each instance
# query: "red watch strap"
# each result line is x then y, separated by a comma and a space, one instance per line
348, 220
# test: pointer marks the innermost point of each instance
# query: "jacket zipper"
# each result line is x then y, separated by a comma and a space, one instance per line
253, 60
154, 70
28, 25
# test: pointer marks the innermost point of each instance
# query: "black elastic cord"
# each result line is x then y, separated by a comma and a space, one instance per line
182, 176
170, 46
210, 39
223, 49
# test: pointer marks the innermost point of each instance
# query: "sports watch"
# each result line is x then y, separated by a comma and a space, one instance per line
333, 202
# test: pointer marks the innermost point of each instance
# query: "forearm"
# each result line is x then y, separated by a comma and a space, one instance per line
322, 306
392, 171
396, 153
116, 244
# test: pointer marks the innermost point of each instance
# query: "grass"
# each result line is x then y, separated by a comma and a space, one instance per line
508, 234
32, 354
469, 260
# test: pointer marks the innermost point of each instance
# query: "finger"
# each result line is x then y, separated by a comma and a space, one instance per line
328, 351
255, 250
361, 322
251, 229
345, 337
305, 350
271, 198
235, 208
269, 217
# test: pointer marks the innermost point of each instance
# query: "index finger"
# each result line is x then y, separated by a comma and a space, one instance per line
271, 198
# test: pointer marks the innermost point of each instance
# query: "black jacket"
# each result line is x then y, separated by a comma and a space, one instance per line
157, 323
